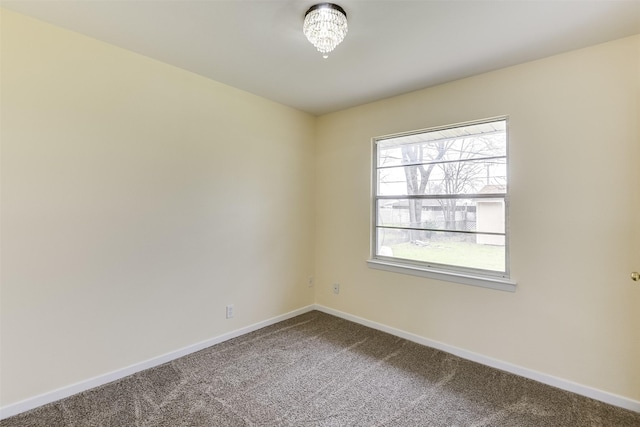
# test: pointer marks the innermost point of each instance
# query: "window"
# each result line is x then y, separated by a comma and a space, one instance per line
440, 204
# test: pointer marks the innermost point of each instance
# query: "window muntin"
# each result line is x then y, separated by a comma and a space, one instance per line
440, 198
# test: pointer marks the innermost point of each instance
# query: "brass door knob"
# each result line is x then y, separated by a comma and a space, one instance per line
635, 276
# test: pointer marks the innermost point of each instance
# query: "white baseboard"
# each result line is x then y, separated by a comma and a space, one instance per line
593, 393
54, 395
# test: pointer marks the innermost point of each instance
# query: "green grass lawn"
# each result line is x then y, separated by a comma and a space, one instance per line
461, 254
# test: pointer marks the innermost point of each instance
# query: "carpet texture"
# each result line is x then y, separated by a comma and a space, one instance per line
319, 370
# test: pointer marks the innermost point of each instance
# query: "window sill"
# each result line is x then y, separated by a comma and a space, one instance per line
497, 283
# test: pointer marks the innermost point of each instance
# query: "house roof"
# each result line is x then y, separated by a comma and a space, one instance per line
493, 189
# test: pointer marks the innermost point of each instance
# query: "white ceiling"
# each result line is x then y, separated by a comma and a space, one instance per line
392, 47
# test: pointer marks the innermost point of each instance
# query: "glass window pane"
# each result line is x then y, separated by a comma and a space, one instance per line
486, 252
478, 215
461, 171
459, 143
468, 177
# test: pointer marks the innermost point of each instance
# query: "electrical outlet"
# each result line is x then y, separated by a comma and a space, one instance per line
336, 288
310, 281
229, 311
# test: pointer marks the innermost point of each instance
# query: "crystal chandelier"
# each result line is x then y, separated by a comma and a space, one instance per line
325, 25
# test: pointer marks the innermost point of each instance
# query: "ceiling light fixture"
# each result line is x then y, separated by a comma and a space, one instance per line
325, 25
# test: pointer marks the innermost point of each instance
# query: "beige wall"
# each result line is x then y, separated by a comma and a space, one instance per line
137, 201
575, 203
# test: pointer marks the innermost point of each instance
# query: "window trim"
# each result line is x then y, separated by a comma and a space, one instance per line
470, 276
498, 283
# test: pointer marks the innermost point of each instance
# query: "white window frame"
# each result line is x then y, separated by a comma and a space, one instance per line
469, 276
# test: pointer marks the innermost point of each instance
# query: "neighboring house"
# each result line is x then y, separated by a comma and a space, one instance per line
490, 216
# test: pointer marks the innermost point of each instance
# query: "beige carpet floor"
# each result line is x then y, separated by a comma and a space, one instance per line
319, 370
